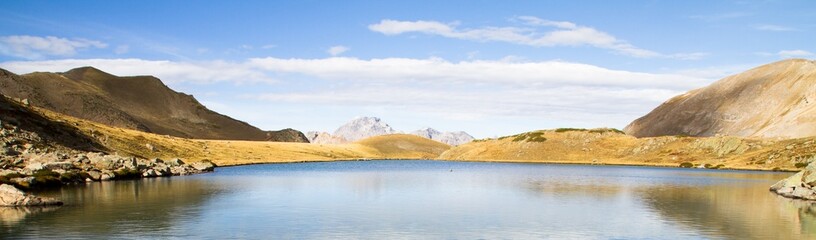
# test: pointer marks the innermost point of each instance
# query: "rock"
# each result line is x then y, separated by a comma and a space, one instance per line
25, 102
174, 162
130, 163
23, 181
204, 165
106, 162
149, 173
59, 166
107, 176
11, 196
95, 175
4, 172
182, 170
150, 147
794, 187
35, 166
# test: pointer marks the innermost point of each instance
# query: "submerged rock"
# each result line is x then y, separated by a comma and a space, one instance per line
11, 197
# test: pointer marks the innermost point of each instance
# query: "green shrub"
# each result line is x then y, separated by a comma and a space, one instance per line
45, 173
45, 178
687, 165
530, 137
14, 175
127, 173
560, 130
606, 130
801, 165
776, 169
71, 177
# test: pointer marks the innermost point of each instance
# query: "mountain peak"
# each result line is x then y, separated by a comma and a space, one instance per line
363, 127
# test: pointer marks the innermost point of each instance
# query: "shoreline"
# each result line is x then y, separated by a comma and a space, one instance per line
507, 161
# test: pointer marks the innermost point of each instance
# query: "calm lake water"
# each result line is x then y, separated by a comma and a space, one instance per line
426, 200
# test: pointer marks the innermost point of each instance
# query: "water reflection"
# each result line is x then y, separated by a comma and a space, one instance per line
121, 208
13, 215
737, 211
425, 199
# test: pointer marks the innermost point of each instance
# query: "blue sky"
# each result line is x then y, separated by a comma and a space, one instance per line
490, 68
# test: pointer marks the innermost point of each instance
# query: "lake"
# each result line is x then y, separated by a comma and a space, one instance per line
408, 199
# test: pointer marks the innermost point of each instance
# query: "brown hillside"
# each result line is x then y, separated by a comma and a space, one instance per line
48, 129
142, 103
773, 100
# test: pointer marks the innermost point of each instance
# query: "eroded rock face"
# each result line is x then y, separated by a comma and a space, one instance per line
12, 197
773, 100
801, 185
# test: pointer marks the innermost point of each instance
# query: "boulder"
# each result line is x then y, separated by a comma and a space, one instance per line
149, 173
95, 175
795, 186
35, 166
59, 166
175, 162
11, 197
204, 165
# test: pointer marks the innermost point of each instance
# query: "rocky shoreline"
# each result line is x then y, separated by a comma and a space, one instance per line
37, 170
28, 171
801, 185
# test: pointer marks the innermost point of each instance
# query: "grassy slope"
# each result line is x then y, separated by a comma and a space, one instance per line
224, 153
585, 147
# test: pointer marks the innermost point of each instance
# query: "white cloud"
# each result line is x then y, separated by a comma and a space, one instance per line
33, 47
557, 34
556, 90
794, 53
269, 46
774, 28
122, 49
435, 70
337, 50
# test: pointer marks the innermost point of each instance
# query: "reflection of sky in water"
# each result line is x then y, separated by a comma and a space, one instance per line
432, 199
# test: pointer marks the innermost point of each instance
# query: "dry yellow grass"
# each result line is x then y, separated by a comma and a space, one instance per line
585, 147
225, 153
549, 146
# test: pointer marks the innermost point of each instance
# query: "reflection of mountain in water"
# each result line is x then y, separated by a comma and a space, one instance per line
719, 211
106, 208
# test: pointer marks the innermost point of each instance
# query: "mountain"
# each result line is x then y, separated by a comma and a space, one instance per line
363, 127
450, 138
142, 103
324, 138
769, 101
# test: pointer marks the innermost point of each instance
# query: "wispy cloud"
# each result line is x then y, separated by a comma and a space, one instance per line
337, 50
122, 49
720, 16
774, 28
557, 90
536, 32
33, 47
794, 53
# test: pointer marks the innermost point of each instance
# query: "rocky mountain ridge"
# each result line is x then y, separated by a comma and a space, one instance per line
365, 127
451, 138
